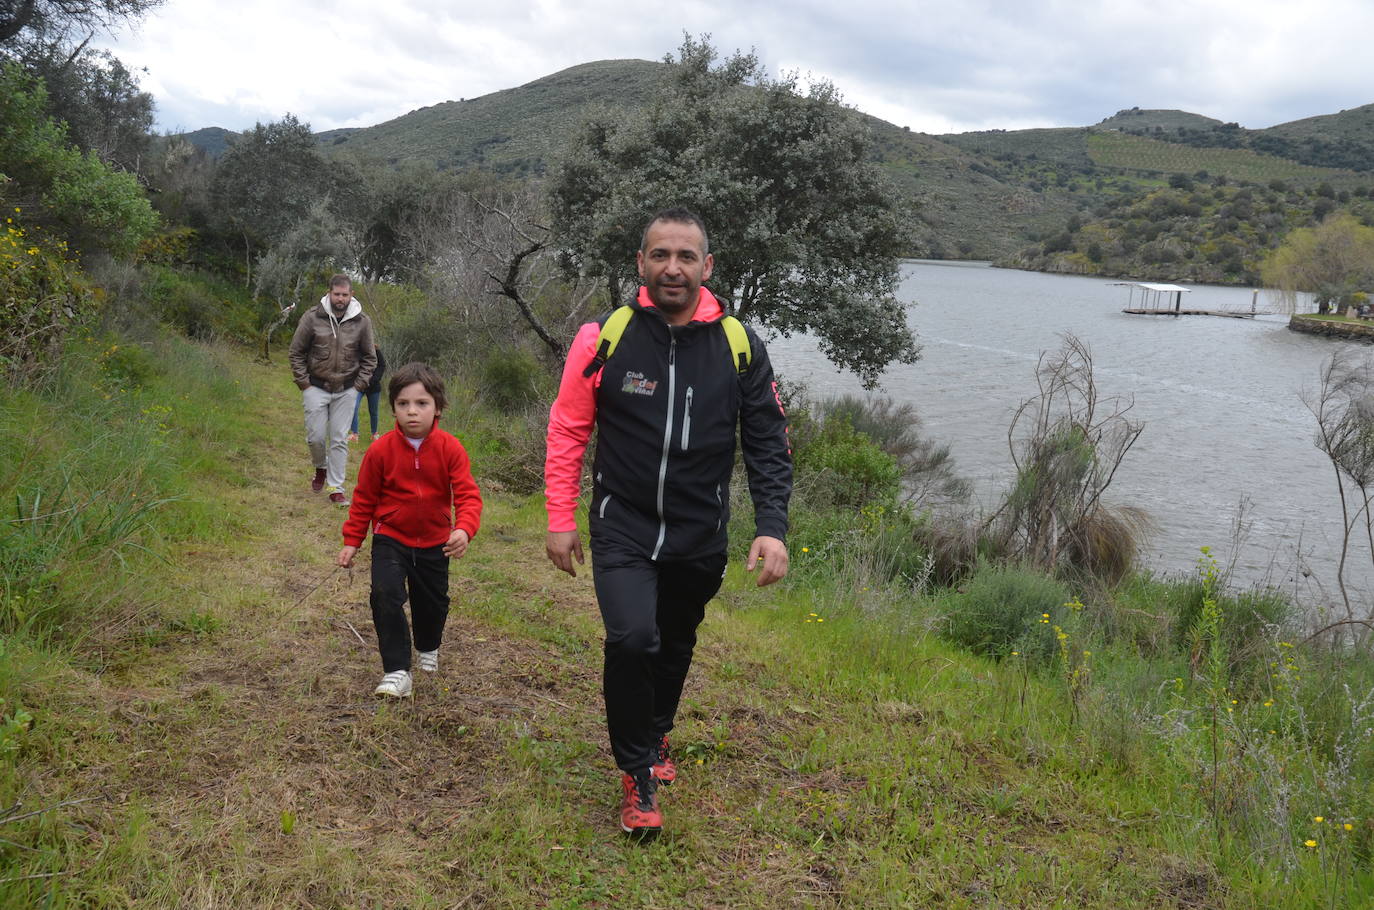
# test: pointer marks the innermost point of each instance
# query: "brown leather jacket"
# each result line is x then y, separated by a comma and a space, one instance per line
331, 353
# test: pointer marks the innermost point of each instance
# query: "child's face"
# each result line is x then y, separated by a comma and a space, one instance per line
414, 410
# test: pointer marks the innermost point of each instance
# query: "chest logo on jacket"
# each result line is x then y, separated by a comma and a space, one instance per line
636, 384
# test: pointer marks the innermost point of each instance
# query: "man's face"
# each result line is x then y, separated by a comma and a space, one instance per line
673, 264
339, 298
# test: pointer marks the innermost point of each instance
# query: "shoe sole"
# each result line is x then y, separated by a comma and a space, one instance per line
642, 833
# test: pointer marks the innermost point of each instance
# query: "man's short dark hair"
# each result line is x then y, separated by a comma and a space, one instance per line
424, 374
677, 215
340, 281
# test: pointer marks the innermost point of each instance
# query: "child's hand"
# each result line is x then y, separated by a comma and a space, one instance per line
457, 544
346, 557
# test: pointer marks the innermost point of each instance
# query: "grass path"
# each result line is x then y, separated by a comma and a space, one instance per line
241, 760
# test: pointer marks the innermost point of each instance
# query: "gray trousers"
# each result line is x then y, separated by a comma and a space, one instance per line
327, 418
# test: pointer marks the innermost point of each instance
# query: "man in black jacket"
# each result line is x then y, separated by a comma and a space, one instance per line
666, 405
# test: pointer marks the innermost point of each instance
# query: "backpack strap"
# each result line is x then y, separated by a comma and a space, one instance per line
740, 351
741, 354
606, 341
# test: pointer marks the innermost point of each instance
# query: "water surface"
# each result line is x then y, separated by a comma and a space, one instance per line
1221, 400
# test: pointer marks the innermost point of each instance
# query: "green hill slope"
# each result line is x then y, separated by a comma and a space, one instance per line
516, 130
981, 195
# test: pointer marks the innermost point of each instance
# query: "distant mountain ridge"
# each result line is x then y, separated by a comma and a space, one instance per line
975, 195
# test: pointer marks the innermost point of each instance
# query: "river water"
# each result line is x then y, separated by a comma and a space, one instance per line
1221, 400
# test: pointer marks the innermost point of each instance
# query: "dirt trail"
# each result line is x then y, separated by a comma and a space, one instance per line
219, 735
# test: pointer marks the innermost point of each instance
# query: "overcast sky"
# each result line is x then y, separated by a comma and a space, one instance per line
937, 66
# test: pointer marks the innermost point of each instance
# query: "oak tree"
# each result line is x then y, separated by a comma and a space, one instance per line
806, 234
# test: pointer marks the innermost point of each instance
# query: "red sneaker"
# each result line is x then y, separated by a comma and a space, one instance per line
664, 770
639, 812
317, 484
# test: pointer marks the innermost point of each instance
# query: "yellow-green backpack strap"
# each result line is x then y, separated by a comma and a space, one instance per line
740, 352
609, 337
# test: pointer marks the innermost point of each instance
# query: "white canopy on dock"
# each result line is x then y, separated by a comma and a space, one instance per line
1154, 297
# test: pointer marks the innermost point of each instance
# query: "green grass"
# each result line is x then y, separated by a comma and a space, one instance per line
835, 749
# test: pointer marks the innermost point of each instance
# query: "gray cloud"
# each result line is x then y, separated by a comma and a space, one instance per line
933, 66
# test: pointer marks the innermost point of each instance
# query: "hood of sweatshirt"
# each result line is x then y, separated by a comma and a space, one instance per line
354, 309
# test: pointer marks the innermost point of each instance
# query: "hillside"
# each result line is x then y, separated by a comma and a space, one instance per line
1355, 124
1136, 119
978, 195
516, 130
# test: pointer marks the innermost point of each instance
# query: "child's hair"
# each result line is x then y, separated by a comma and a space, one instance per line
340, 281
422, 373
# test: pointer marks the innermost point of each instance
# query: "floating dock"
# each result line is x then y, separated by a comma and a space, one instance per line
1167, 300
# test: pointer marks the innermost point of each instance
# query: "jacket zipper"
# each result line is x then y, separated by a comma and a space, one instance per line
667, 439
687, 420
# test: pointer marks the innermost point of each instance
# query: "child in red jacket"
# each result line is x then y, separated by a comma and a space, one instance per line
415, 489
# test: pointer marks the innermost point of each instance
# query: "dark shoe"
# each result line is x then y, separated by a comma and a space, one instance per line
639, 812
317, 484
339, 498
664, 770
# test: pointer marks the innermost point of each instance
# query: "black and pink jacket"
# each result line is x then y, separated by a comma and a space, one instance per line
667, 407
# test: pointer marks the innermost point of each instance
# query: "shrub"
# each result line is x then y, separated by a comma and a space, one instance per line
1003, 609
508, 454
430, 334
95, 207
513, 381
199, 307
1248, 620
927, 472
42, 296
844, 469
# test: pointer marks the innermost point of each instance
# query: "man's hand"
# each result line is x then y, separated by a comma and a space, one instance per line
772, 554
346, 555
457, 544
562, 548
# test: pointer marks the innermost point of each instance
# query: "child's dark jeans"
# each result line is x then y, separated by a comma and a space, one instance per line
396, 570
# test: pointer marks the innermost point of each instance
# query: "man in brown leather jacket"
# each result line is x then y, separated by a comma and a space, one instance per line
332, 359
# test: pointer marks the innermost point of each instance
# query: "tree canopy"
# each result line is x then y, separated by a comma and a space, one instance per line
269, 180
59, 19
806, 234
93, 206
1332, 261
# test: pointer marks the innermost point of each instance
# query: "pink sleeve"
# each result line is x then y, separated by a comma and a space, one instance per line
571, 420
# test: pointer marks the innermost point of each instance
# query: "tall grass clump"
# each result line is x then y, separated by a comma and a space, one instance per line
852, 523
96, 498
1002, 609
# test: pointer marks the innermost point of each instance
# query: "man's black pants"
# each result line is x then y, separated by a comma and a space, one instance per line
396, 568
651, 611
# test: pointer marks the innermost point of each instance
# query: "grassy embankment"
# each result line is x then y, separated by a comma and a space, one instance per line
188, 720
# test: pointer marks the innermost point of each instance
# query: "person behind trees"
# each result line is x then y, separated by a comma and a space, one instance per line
415, 490
665, 405
374, 397
332, 360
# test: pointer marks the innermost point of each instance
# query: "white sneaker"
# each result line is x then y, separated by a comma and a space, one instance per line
396, 684
428, 660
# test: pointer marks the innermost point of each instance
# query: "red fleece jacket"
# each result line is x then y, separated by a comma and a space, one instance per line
417, 497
